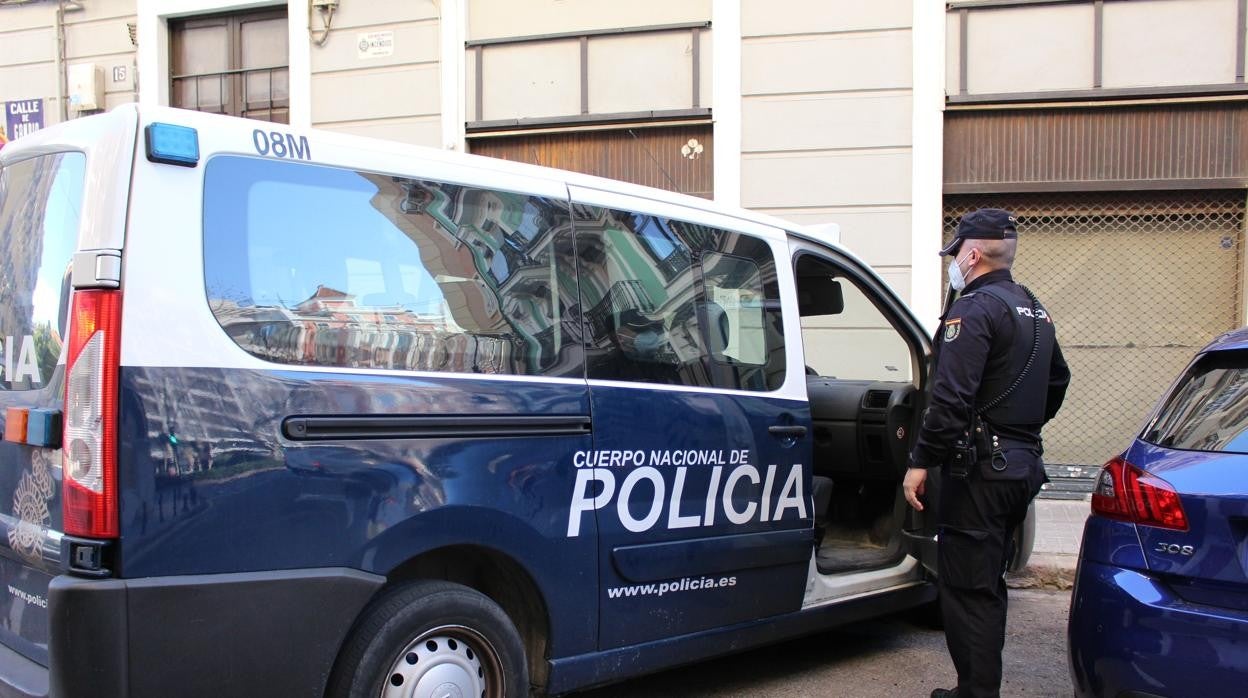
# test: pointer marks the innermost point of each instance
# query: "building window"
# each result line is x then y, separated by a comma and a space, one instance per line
235, 64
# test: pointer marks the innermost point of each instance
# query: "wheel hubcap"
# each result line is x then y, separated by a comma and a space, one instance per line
450, 661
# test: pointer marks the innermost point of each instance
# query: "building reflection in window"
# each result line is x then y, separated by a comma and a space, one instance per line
355, 269
40, 208
679, 303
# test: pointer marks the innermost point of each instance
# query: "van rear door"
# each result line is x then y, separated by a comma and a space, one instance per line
41, 201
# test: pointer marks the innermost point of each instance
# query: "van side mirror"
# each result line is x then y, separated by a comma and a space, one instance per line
819, 295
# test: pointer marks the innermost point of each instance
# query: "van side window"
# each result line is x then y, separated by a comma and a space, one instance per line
678, 303
314, 265
855, 340
734, 292
40, 205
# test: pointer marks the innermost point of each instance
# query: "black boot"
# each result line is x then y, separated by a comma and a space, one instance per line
945, 693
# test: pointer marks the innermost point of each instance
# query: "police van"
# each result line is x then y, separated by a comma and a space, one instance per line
301, 413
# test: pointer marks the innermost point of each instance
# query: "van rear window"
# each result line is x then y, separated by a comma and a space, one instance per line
314, 265
1208, 409
40, 205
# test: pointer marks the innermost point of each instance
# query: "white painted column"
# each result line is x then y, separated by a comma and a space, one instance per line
152, 54
300, 73
927, 160
453, 30
726, 100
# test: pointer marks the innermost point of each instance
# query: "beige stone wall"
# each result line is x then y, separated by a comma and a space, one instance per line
97, 34
997, 61
826, 113
1146, 43
28, 61
492, 19
1169, 42
626, 73
397, 97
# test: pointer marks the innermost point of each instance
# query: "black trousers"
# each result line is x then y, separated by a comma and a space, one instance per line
977, 521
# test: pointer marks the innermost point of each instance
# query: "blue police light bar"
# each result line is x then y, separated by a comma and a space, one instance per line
44, 428
172, 145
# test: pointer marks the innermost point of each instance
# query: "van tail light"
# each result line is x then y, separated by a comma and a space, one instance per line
1126, 493
89, 449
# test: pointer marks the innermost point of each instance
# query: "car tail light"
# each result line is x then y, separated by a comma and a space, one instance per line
90, 445
1126, 493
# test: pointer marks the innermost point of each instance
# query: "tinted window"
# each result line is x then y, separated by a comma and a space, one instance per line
1208, 410
678, 303
323, 266
40, 204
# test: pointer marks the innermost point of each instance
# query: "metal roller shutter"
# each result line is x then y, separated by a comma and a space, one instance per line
1136, 282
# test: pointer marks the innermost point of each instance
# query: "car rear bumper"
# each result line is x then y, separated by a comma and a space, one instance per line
1130, 635
271, 633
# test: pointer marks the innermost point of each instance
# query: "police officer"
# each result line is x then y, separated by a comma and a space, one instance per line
998, 376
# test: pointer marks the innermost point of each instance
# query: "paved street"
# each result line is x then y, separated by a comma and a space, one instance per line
894, 656
886, 657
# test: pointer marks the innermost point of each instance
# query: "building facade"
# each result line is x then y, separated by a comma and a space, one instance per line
1117, 132
805, 113
1115, 129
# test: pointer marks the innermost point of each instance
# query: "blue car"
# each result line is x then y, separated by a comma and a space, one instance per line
1160, 604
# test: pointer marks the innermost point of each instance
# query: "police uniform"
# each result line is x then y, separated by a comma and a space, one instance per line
984, 342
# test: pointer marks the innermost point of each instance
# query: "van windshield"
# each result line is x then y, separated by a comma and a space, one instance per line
40, 205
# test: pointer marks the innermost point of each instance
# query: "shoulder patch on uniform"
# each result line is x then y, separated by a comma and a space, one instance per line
953, 327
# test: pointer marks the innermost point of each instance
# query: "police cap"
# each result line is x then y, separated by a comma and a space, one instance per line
983, 224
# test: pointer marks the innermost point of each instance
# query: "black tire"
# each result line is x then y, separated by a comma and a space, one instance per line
420, 625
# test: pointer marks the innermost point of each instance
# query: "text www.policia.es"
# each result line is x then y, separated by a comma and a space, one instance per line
661, 588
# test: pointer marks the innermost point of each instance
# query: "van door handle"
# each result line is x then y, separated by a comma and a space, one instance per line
795, 431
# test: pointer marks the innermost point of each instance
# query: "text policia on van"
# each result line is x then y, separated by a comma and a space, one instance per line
731, 471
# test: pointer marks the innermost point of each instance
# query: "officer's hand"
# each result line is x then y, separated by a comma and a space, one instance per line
914, 486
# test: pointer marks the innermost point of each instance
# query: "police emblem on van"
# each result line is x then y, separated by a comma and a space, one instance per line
952, 329
30, 504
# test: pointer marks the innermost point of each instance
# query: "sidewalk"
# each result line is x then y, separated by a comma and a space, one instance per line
1059, 530
1059, 527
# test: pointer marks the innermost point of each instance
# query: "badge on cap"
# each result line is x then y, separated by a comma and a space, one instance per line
952, 329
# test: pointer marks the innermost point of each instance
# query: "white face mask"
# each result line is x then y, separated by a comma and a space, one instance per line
956, 279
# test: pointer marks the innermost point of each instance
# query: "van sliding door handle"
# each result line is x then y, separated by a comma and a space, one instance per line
795, 431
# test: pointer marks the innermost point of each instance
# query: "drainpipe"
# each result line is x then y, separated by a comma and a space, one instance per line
61, 78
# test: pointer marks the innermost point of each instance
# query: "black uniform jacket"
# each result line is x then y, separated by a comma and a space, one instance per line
981, 346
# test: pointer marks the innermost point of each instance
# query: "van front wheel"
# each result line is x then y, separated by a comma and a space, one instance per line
428, 639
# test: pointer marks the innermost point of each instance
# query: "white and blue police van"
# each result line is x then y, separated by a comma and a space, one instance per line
297, 413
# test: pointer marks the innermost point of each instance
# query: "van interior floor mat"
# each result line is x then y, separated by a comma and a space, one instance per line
840, 555
869, 542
